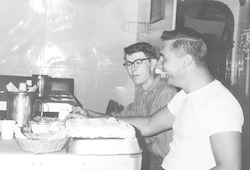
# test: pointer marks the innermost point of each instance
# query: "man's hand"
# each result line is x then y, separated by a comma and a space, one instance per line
73, 116
77, 112
80, 111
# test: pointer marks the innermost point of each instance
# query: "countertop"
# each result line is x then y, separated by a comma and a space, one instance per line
14, 158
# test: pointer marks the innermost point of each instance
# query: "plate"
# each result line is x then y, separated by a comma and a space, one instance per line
45, 119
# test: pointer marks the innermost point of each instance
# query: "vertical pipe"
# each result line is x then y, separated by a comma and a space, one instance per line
247, 73
174, 14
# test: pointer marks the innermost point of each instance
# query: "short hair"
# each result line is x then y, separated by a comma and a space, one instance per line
187, 41
144, 47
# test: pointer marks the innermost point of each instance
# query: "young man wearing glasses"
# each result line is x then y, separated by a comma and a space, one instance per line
152, 94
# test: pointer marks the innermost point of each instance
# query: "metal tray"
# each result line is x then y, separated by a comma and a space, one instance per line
103, 146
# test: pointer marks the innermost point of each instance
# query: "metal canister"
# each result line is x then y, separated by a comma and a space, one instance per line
20, 107
43, 83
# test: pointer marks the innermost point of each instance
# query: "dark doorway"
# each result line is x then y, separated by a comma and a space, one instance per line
215, 21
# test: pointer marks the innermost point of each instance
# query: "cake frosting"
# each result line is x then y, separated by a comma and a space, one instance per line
99, 128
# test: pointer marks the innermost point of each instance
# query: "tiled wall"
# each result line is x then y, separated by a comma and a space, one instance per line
80, 39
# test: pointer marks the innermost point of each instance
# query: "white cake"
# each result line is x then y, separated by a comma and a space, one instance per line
101, 136
99, 128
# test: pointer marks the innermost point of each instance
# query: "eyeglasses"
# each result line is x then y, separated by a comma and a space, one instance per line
137, 63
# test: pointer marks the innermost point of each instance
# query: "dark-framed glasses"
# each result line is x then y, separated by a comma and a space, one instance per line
137, 63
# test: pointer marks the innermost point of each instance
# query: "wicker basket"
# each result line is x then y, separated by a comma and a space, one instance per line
42, 146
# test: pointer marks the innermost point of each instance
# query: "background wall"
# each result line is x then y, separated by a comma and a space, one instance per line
80, 39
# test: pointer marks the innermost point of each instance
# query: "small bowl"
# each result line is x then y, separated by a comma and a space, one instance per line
55, 126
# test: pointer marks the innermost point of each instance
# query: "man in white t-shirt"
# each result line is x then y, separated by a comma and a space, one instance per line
206, 118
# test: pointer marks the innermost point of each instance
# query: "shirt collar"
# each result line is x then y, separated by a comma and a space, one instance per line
153, 85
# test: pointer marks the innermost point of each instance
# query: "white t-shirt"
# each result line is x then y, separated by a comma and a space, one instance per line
198, 115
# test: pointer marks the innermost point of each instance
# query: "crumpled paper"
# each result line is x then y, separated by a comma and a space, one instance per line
12, 88
18, 133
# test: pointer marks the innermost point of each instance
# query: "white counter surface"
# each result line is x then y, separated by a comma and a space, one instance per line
14, 158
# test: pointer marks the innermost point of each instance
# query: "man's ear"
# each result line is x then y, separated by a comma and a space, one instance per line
188, 60
153, 64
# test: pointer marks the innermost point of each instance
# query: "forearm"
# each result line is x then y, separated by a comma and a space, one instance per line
161, 121
141, 123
